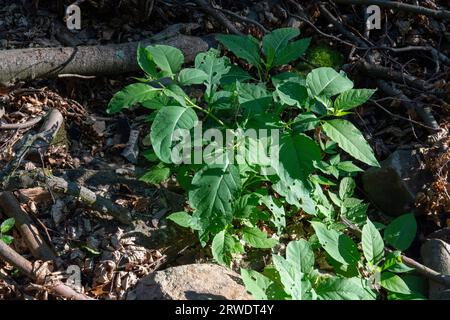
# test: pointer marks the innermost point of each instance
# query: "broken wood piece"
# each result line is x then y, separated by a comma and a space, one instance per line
38, 247
88, 197
24, 125
49, 130
26, 267
131, 151
32, 63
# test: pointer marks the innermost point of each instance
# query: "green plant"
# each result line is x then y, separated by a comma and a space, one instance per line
247, 198
357, 276
5, 227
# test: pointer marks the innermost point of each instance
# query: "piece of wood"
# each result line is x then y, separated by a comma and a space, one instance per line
26, 267
27, 64
29, 232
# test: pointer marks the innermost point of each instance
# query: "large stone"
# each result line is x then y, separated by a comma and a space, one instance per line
436, 255
191, 282
393, 187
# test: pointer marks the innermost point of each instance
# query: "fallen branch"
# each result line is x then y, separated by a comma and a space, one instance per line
213, 12
24, 125
27, 64
26, 267
38, 247
438, 14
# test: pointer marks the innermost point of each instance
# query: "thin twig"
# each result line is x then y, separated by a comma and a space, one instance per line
245, 19
24, 125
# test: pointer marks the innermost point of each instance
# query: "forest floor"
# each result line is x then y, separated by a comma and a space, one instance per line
91, 150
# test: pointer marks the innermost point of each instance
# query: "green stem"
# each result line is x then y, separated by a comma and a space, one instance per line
209, 113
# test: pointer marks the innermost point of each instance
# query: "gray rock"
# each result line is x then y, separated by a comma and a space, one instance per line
436, 255
393, 187
191, 282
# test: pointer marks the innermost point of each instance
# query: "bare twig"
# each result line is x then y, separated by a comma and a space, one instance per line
24, 125
26, 267
205, 6
29, 232
438, 14
245, 19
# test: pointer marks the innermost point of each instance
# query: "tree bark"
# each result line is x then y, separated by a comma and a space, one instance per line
28, 64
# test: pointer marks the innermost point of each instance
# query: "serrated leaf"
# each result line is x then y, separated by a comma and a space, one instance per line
305, 121
291, 52
346, 188
350, 139
190, 76
245, 47
131, 95
256, 238
401, 232
348, 166
156, 175
338, 245
301, 256
168, 120
292, 279
212, 193
7, 225
372, 243
277, 209
277, 40
327, 82
223, 246
169, 59
181, 218
214, 66
352, 98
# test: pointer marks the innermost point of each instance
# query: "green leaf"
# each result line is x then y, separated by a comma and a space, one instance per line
168, 120
338, 245
235, 74
169, 59
7, 225
348, 166
301, 256
292, 52
296, 157
292, 94
254, 98
223, 246
145, 61
181, 218
352, 98
277, 209
346, 188
372, 243
190, 76
212, 193
277, 40
214, 66
350, 139
156, 175
394, 283
6, 239
327, 82
245, 47
256, 283
305, 121
401, 232
256, 238
344, 289
131, 95
292, 279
